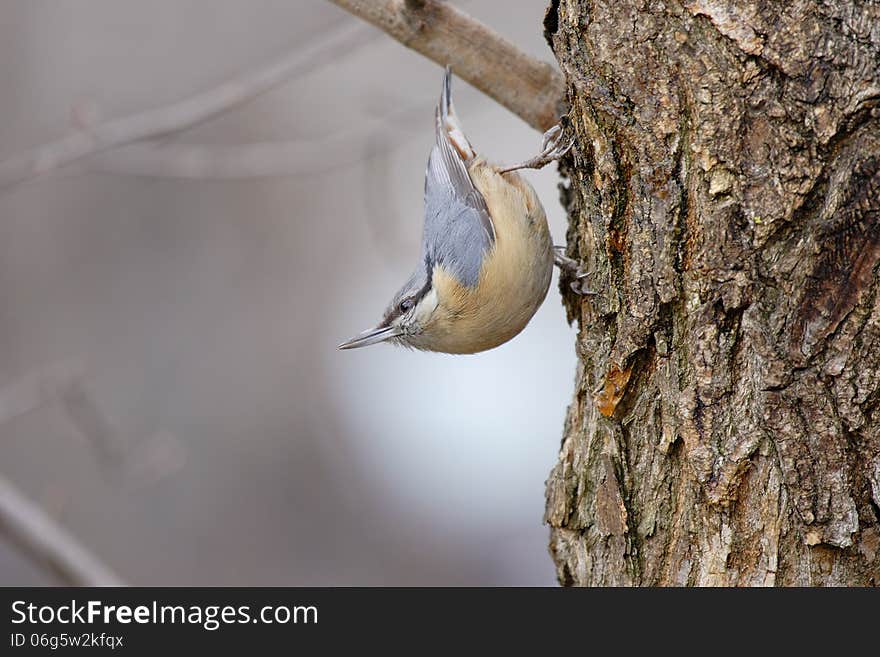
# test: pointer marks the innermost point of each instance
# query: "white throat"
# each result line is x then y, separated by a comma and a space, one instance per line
425, 308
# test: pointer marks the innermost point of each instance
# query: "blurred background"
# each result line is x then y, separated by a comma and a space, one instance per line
170, 390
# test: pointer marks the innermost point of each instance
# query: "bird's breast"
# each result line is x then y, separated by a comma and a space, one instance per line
514, 275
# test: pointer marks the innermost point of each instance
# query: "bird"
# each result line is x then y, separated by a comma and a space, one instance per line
486, 256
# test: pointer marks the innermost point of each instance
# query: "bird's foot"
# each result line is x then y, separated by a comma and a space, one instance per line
556, 144
573, 269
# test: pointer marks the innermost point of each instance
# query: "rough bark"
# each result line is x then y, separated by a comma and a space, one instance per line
725, 190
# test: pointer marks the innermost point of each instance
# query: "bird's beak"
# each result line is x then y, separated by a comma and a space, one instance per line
371, 336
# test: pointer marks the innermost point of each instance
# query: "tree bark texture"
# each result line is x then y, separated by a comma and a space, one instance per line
725, 192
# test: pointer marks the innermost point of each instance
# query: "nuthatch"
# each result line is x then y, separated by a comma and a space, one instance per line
487, 256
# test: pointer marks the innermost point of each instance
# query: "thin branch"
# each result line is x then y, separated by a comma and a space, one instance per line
236, 162
37, 388
86, 416
63, 382
178, 116
42, 539
296, 158
531, 89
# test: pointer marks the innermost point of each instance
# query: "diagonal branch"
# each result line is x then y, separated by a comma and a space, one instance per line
531, 89
43, 540
296, 158
178, 116
63, 382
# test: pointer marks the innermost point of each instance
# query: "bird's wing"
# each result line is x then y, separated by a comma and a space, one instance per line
458, 227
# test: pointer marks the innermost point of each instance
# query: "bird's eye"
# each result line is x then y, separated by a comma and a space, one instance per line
406, 305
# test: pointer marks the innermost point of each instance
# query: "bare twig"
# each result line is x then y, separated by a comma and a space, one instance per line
86, 416
38, 387
63, 382
302, 157
42, 539
531, 89
178, 116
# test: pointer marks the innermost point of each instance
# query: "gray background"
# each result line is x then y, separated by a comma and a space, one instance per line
235, 445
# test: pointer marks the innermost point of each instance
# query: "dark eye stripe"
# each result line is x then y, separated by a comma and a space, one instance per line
396, 310
414, 299
429, 271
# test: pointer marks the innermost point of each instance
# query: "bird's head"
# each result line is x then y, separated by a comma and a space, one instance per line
407, 320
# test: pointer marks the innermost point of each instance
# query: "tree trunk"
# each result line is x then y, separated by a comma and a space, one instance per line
725, 191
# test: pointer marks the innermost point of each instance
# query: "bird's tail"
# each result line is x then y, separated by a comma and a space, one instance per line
448, 120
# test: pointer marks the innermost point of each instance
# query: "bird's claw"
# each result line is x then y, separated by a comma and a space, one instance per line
573, 269
550, 137
554, 145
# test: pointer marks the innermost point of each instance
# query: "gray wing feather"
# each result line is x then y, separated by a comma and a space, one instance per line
458, 227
